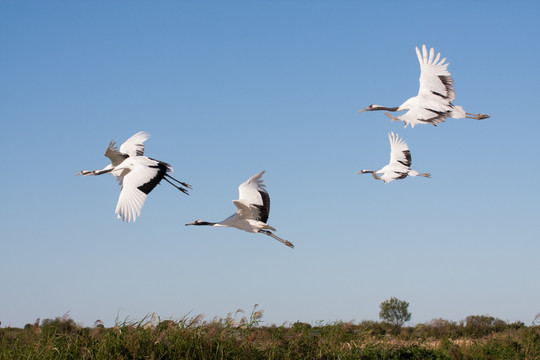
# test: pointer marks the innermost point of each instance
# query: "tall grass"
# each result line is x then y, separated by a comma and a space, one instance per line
241, 336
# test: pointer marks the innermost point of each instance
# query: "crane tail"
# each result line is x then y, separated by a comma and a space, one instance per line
285, 242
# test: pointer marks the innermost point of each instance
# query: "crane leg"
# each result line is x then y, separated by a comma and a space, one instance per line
176, 186
391, 117
477, 116
285, 242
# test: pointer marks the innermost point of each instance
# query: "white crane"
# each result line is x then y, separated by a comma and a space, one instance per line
433, 104
252, 210
400, 162
137, 174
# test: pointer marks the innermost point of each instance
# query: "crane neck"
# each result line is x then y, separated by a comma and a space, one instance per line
205, 223
388, 108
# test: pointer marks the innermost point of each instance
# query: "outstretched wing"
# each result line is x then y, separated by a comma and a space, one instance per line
134, 146
400, 155
114, 155
136, 185
243, 210
436, 93
253, 193
435, 79
400, 160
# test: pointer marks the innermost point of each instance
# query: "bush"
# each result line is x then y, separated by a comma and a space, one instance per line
482, 325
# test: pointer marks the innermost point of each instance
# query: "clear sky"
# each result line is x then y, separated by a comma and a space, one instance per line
227, 89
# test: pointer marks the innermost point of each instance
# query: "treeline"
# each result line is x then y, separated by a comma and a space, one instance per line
476, 337
474, 326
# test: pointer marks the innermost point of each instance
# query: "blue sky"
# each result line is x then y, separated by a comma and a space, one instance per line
227, 89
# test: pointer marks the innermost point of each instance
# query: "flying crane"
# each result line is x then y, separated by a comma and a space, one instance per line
400, 162
252, 210
137, 174
433, 104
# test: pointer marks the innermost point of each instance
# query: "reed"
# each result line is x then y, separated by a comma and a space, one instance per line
242, 336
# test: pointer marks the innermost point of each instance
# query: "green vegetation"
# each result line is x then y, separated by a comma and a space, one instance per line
395, 311
242, 336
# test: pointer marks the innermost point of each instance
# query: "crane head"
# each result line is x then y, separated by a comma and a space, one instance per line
371, 107
375, 107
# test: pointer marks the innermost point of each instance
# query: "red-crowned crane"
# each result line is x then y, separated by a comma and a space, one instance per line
400, 162
137, 174
252, 210
433, 104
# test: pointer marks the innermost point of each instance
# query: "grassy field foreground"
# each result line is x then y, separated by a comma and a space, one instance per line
242, 337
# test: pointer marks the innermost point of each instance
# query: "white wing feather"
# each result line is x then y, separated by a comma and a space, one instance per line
134, 146
400, 156
131, 199
243, 210
431, 69
248, 192
433, 104
398, 149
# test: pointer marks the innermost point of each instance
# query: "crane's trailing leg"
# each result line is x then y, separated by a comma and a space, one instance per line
285, 242
428, 175
477, 116
179, 182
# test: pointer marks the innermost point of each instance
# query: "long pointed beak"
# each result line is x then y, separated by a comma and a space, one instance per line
191, 223
362, 110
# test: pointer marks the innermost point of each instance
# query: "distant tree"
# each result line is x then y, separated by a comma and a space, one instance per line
395, 311
482, 325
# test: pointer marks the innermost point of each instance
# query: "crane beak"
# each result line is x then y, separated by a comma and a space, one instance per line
362, 110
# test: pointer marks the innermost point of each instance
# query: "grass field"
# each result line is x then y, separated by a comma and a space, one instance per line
241, 336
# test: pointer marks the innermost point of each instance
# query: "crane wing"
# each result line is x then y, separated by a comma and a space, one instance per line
144, 176
243, 210
433, 104
114, 155
134, 146
253, 192
432, 112
435, 79
400, 155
